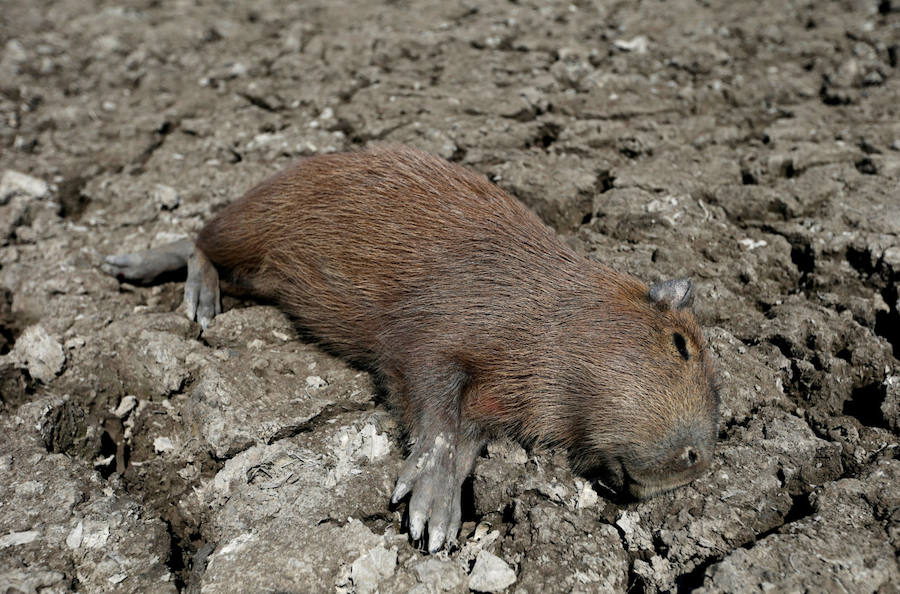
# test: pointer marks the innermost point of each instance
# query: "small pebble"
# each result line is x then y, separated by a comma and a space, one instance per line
490, 574
14, 182
40, 353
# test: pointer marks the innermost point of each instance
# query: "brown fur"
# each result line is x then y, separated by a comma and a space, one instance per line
475, 315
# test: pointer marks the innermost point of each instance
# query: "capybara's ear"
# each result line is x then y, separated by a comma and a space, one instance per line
673, 294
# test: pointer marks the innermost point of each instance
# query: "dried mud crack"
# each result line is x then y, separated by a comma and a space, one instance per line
751, 146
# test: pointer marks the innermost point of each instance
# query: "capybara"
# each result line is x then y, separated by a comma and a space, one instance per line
476, 318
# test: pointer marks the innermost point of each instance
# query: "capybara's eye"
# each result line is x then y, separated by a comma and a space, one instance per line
681, 345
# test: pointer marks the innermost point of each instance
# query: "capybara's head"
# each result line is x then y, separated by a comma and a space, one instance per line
649, 391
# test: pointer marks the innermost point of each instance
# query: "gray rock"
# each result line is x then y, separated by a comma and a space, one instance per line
14, 182
490, 574
226, 397
748, 491
570, 552
166, 197
40, 353
18, 538
372, 568
314, 557
890, 407
292, 500
33, 580
146, 354
559, 188
839, 544
438, 575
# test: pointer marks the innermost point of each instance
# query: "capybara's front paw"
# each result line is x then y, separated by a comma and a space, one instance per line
430, 473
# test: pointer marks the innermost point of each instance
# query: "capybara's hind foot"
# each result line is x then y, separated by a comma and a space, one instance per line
145, 267
202, 300
201, 290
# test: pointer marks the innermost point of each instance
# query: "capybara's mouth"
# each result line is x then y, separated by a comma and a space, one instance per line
644, 487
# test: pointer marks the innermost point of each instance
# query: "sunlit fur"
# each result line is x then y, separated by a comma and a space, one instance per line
474, 314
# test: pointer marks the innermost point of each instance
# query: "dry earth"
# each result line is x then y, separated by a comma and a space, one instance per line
754, 146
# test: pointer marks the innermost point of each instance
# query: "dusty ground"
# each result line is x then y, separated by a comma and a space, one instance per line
754, 146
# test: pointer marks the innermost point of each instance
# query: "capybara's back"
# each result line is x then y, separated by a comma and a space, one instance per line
386, 245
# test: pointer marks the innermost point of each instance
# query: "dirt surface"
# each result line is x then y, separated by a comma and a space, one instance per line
754, 146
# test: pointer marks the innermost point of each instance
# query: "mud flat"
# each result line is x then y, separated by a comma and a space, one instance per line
752, 146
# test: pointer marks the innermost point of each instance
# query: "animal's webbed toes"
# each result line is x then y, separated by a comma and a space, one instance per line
430, 474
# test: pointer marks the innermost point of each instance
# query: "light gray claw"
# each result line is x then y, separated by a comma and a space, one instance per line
437, 534
400, 491
191, 292
416, 524
455, 517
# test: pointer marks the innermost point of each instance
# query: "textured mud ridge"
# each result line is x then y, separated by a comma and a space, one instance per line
752, 146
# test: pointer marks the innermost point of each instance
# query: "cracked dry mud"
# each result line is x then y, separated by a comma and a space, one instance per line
754, 146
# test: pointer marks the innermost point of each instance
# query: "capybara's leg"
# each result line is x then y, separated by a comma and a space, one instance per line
202, 300
201, 290
145, 267
441, 456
